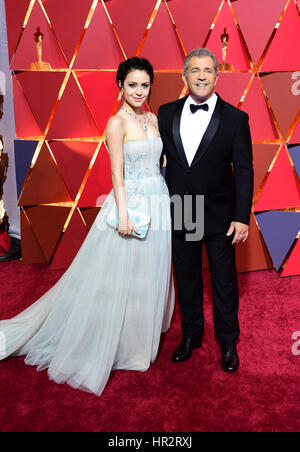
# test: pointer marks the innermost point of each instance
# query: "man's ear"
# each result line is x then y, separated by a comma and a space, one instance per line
184, 80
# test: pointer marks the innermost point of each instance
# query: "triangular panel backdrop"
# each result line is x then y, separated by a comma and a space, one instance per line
63, 57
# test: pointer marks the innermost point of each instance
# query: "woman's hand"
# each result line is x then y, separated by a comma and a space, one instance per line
126, 226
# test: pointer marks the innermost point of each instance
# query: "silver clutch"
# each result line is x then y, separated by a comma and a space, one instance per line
138, 212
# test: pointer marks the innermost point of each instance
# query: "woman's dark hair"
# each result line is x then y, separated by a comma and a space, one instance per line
133, 64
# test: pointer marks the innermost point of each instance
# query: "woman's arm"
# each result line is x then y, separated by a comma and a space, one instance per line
115, 134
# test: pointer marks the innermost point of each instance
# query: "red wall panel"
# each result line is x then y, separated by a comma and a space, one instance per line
84, 41
15, 15
61, 13
26, 52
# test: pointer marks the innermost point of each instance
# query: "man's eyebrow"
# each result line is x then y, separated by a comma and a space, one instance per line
197, 67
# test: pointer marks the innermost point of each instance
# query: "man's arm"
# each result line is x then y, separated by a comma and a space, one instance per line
243, 180
242, 171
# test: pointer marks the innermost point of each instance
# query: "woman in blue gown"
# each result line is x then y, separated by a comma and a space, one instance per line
110, 307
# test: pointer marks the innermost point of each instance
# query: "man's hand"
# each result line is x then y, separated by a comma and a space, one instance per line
240, 232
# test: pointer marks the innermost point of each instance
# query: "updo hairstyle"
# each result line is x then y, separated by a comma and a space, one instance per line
133, 64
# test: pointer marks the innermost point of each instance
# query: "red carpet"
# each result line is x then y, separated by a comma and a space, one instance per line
194, 396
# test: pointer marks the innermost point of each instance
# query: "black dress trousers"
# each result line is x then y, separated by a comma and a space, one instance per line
187, 260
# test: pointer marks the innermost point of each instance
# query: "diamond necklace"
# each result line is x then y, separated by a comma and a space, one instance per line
144, 122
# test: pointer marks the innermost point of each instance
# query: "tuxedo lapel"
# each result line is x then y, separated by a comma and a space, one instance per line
210, 131
176, 130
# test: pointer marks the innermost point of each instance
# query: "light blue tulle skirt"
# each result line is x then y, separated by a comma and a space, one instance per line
109, 308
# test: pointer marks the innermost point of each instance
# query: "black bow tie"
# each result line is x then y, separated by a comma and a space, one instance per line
194, 107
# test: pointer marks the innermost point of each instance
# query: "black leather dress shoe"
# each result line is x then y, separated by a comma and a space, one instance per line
184, 351
230, 359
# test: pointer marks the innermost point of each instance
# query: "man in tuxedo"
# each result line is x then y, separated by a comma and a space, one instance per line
208, 148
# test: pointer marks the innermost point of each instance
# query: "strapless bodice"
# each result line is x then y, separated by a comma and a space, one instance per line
142, 158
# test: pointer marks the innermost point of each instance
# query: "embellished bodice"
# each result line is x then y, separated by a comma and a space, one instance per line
142, 158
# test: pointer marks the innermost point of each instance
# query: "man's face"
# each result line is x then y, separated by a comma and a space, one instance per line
201, 78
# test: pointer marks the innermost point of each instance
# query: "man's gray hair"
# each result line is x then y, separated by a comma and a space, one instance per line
200, 53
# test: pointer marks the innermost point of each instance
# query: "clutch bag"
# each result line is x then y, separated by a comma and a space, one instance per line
138, 213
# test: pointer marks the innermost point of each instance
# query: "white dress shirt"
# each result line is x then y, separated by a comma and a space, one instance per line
194, 125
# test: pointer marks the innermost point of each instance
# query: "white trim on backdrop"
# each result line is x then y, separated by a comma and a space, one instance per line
7, 130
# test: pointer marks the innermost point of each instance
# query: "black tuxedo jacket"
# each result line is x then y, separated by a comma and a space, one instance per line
222, 168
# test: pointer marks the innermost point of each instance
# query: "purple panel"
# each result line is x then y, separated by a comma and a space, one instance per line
294, 152
279, 230
24, 151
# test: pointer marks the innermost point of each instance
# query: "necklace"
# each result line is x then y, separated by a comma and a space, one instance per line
144, 122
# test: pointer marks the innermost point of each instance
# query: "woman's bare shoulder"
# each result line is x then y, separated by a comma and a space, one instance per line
115, 130
115, 122
152, 117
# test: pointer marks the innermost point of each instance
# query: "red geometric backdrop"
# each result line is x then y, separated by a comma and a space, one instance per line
65, 109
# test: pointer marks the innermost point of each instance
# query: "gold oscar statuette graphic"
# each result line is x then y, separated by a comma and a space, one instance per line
224, 66
39, 65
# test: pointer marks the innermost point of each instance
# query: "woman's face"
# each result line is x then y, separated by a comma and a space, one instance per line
136, 88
